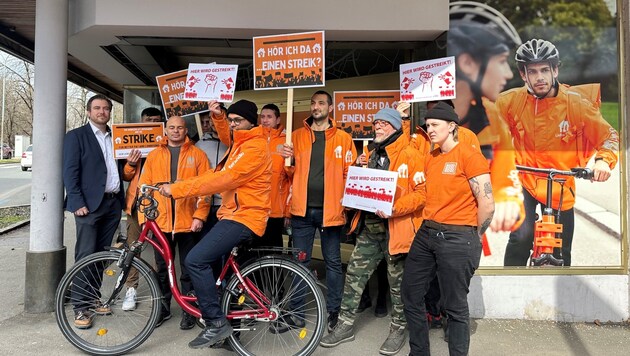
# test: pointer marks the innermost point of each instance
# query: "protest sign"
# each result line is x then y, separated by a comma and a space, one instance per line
144, 137
288, 61
206, 82
370, 189
354, 110
428, 80
172, 87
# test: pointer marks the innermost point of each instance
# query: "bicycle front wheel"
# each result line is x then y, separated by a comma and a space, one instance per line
292, 294
106, 329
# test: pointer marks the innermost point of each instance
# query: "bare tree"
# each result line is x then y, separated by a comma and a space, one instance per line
19, 97
77, 101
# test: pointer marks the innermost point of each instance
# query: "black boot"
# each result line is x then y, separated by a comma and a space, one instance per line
366, 301
380, 310
188, 321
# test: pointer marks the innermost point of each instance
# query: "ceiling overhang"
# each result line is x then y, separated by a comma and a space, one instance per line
116, 43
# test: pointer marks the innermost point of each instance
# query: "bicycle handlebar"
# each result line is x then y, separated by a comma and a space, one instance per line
582, 173
146, 203
145, 188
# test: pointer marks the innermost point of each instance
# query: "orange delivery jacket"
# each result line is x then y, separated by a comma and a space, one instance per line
340, 153
131, 174
280, 183
243, 178
192, 162
409, 197
544, 136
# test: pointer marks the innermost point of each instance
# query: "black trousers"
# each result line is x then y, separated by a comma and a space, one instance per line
454, 255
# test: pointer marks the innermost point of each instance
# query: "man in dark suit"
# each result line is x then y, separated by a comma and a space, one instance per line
94, 194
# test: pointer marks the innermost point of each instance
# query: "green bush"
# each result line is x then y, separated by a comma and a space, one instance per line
610, 112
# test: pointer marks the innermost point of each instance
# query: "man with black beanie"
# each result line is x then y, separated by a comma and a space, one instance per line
245, 173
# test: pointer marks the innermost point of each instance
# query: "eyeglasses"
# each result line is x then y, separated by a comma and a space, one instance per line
380, 123
236, 120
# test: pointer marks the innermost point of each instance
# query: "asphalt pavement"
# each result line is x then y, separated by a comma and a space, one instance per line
36, 334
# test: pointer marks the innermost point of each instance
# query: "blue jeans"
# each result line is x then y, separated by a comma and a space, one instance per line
217, 243
453, 252
303, 236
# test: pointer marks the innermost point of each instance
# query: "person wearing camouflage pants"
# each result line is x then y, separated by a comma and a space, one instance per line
384, 235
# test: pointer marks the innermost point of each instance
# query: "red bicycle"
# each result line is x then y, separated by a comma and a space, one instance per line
255, 300
548, 229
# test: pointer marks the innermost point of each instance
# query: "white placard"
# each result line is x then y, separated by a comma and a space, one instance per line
370, 189
206, 82
428, 80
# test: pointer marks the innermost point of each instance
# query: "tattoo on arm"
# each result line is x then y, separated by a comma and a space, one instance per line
487, 190
484, 226
474, 186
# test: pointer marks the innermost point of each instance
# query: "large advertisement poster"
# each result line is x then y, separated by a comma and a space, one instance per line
538, 83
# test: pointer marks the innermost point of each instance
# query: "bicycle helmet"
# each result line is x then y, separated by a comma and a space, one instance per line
536, 51
482, 32
479, 30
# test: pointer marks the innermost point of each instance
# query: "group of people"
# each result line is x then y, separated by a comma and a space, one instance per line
455, 180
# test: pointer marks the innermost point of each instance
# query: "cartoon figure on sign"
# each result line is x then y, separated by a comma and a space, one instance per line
192, 81
446, 78
426, 78
210, 79
406, 82
228, 83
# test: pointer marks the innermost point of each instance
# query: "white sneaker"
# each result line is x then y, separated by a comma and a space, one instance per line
129, 303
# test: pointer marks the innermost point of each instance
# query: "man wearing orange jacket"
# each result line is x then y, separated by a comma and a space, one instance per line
131, 174
244, 180
280, 184
382, 235
322, 155
553, 126
176, 158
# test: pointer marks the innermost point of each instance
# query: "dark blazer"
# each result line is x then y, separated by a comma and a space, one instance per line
84, 171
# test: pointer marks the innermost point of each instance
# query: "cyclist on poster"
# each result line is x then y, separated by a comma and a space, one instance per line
556, 126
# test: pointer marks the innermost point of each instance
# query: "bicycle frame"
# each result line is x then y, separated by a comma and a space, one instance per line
161, 245
548, 230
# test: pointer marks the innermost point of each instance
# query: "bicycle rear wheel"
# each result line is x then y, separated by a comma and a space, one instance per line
282, 281
89, 284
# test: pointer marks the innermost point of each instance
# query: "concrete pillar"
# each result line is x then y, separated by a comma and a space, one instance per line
45, 259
